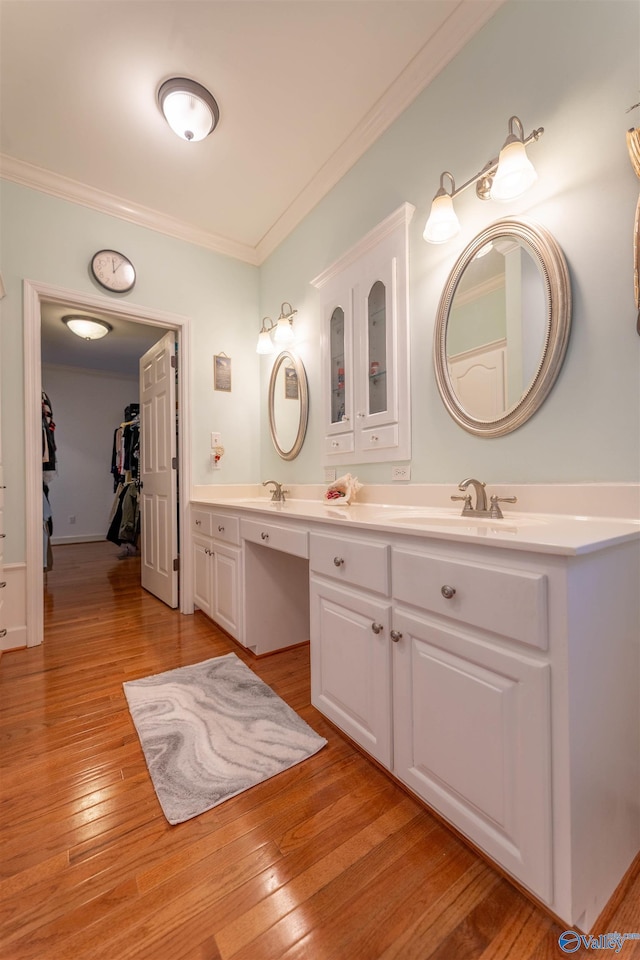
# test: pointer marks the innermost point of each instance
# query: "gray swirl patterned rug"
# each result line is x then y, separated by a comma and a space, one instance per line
212, 730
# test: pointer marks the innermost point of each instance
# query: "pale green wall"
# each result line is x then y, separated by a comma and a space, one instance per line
573, 68
51, 241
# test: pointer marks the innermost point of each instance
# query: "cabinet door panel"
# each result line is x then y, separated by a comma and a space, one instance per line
351, 665
202, 574
337, 348
225, 598
472, 738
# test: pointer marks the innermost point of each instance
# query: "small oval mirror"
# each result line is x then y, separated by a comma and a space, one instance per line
288, 405
502, 327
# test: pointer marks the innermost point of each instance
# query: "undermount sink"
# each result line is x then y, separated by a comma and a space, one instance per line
457, 520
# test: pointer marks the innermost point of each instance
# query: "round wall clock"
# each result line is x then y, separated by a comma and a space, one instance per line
113, 271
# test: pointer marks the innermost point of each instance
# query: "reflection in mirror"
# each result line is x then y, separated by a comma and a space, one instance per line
377, 334
288, 405
336, 334
502, 327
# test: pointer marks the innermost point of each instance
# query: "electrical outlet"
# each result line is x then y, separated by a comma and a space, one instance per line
72, 518
215, 463
401, 473
329, 474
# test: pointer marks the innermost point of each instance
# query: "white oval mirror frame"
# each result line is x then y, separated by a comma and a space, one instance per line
552, 267
288, 386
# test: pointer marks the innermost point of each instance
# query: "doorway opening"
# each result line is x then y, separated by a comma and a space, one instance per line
39, 299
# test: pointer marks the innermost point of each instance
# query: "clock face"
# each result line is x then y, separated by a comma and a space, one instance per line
113, 270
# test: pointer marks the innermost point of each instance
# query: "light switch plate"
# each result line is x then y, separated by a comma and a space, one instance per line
216, 440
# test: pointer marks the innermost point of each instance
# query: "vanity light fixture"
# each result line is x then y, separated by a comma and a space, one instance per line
188, 107
503, 178
87, 327
282, 330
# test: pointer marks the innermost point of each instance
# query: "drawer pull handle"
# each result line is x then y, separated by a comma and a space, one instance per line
448, 592
3, 633
374, 439
395, 635
2, 536
3, 584
377, 627
198, 523
334, 443
338, 562
220, 529
264, 536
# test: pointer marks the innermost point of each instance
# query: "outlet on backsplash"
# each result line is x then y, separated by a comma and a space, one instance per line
329, 474
401, 473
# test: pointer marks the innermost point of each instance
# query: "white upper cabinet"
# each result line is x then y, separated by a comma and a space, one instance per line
365, 347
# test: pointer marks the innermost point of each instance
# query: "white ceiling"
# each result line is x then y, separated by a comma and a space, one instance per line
304, 88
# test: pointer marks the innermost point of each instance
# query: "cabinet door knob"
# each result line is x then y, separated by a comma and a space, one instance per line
3, 633
334, 443
264, 536
345, 419
448, 592
377, 627
3, 584
198, 522
220, 529
395, 635
374, 439
338, 562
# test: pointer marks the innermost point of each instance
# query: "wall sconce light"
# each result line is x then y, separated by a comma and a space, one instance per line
504, 178
87, 327
189, 108
282, 330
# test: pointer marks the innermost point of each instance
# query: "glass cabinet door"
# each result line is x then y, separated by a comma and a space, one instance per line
338, 372
377, 353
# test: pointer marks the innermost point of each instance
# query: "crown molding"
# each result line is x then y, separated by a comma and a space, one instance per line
28, 175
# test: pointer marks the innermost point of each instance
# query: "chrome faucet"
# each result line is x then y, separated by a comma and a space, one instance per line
277, 494
481, 509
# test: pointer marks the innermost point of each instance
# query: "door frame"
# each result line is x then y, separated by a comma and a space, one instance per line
34, 293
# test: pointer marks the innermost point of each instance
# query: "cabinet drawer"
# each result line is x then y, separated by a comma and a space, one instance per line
359, 562
339, 444
224, 527
286, 539
201, 522
512, 603
376, 438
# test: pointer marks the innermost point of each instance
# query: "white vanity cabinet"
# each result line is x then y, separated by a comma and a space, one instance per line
471, 694
350, 650
365, 354
217, 564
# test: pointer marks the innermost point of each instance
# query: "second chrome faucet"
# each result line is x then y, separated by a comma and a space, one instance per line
481, 509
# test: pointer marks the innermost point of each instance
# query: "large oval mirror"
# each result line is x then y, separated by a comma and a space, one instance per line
288, 405
502, 327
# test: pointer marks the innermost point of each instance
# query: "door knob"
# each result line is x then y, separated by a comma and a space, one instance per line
395, 635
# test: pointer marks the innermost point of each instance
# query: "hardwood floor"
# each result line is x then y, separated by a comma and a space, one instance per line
327, 861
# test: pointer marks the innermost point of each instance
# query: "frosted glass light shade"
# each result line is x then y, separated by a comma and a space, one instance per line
283, 333
265, 344
443, 223
515, 172
188, 107
87, 327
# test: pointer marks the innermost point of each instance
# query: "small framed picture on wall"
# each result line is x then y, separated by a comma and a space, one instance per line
222, 372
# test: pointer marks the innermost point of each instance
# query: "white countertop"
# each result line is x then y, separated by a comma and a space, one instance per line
541, 533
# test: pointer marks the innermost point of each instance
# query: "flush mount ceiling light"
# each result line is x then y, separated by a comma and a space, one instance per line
282, 330
87, 327
503, 178
189, 108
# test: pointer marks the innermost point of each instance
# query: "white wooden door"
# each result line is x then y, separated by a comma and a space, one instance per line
158, 471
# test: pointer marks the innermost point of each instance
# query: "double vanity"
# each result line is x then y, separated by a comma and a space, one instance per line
491, 665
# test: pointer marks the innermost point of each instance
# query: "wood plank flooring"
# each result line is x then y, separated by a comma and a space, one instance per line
328, 861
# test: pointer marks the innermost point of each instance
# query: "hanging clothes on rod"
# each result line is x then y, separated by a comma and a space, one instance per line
124, 520
48, 435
